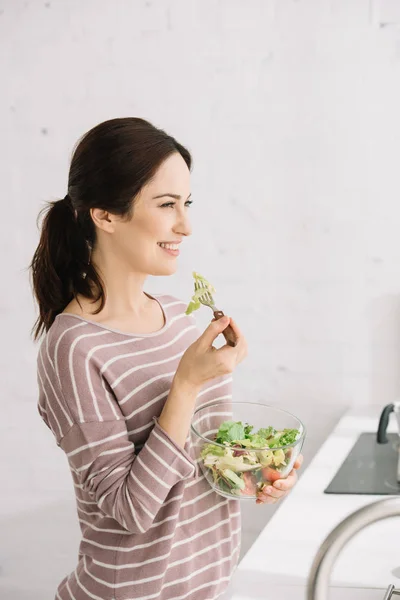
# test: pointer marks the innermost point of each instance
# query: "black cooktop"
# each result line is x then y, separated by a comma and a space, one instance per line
369, 468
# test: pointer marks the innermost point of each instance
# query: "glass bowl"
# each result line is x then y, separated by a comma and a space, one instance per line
239, 470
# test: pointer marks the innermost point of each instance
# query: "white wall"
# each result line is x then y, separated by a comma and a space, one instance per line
291, 111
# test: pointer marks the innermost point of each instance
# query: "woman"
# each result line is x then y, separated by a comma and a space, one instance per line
120, 372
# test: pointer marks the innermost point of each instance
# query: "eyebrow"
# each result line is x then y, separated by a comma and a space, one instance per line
174, 196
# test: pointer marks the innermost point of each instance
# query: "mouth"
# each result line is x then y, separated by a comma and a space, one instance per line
171, 249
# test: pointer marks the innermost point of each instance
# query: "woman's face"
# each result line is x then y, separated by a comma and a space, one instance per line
160, 215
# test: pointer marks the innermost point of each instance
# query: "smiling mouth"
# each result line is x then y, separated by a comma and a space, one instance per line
171, 251
168, 245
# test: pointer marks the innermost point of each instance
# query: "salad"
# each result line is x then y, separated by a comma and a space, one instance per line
246, 461
194, 304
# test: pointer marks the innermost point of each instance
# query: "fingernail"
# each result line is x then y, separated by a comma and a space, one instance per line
268, 490
278, 485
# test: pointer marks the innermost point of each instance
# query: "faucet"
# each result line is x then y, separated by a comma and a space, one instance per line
381, 436
318, 580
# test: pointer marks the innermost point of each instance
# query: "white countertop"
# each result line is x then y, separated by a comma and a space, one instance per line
278, 563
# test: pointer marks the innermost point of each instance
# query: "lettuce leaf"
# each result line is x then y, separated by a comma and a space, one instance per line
266, 457
212, 449
266, 432
234, 432
248, 429
238, 481
192, 306
257, 441
288, 436
194, 303
279, 458
230, 431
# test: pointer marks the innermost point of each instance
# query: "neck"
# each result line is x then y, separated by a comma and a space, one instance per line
123, 288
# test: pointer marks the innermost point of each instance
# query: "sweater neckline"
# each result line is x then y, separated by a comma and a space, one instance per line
126, 333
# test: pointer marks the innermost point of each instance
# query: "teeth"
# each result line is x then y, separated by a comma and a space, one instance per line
169, 246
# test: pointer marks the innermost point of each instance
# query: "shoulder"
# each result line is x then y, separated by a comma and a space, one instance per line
70, 363
70, 339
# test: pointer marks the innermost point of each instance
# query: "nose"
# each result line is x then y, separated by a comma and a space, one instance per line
182, 225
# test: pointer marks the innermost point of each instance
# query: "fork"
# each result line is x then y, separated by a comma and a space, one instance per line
208, 300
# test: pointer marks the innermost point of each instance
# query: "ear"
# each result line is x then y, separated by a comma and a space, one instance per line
103, 220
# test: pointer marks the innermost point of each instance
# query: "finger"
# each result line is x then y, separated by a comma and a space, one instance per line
266, 500
238, 351
298, 462
210, 334
272, 492
235, 328
242, 344
288, 483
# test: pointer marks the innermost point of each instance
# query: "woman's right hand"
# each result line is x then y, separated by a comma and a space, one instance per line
202, 361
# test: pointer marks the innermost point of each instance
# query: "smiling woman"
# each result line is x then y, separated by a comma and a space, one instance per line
120, 373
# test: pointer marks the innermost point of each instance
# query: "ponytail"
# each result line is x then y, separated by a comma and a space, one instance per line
60, 263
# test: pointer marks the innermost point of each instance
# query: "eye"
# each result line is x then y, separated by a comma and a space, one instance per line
172, 204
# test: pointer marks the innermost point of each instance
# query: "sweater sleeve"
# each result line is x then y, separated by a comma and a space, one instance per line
128, 487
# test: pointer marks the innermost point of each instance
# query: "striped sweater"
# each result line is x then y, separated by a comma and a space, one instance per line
152, 527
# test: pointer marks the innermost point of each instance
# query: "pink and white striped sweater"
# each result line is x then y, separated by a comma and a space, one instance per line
152, 528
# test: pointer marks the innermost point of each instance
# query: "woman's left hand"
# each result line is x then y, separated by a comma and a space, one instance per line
272, 493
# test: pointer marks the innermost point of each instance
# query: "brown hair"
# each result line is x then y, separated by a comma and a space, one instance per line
110, 165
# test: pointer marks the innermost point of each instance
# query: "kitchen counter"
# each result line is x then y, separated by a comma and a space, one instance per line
278, 564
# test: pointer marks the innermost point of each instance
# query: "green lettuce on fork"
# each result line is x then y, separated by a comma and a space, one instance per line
246, 461
194, 304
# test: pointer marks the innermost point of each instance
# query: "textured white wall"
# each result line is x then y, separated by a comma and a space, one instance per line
291, 110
